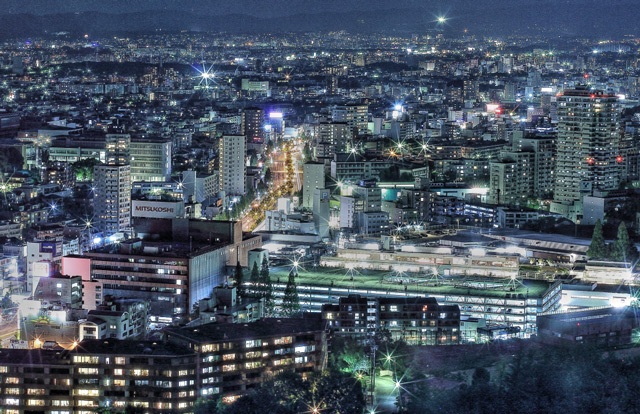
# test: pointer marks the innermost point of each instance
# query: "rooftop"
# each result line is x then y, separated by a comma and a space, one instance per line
129, 347
369, 280
267, 327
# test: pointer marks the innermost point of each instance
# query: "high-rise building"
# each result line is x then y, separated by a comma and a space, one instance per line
331, 138
118, 148
312, 178
511, 180
232, 164
253, 124
150, 159
112, 199
588, 148
544, 150
356, 117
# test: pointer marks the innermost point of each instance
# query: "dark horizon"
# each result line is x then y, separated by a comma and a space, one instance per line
588, 18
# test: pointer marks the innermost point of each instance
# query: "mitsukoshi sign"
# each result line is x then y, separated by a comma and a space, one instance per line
157, 209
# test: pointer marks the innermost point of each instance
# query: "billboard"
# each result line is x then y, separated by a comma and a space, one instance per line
157, 209
48, 247
41, 269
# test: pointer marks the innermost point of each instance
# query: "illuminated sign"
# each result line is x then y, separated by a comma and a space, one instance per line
157, 209
48, 247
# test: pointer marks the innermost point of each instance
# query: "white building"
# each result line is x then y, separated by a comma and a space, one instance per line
112, 199
232, 164
312, 178
588, 148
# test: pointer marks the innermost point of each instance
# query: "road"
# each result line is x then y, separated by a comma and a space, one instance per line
287, 179
8, 330
386, 395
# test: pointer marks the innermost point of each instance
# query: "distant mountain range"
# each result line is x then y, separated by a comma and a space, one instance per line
595, 19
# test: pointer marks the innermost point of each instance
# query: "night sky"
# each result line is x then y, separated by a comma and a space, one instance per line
273, 8
589, 18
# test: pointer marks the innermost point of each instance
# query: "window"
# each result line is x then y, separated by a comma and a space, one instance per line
140, 372
82, 359
229, 367
86, 403
12, 401
61, 403
228, 357
91, 393
12, 380
252, 365
253, 343
38, 403
120, 360
284, 340
88, 371
119, 383
35, 391
12, 391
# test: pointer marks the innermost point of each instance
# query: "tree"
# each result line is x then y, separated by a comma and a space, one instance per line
268, 176
83, 169
598, 248
291, 302
623, 249
288, 393
239, 278
10, 159
256, 283
208, 406
267, 287
481, 376
6, 302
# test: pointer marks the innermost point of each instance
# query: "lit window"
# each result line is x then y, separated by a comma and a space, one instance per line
91, 393
87, 371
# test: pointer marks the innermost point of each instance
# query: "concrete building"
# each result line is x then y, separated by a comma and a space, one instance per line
112, 199
512, 179
225, 306
232, 358
150, 159
253, 121
169, 275
321, 209
118, 147
162, 376
355, 116
331, 138
588, 148
279, 221
601, 327
415, 320
232, 153
42, 259
312, 178
544, 160
514, 218
372, 223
